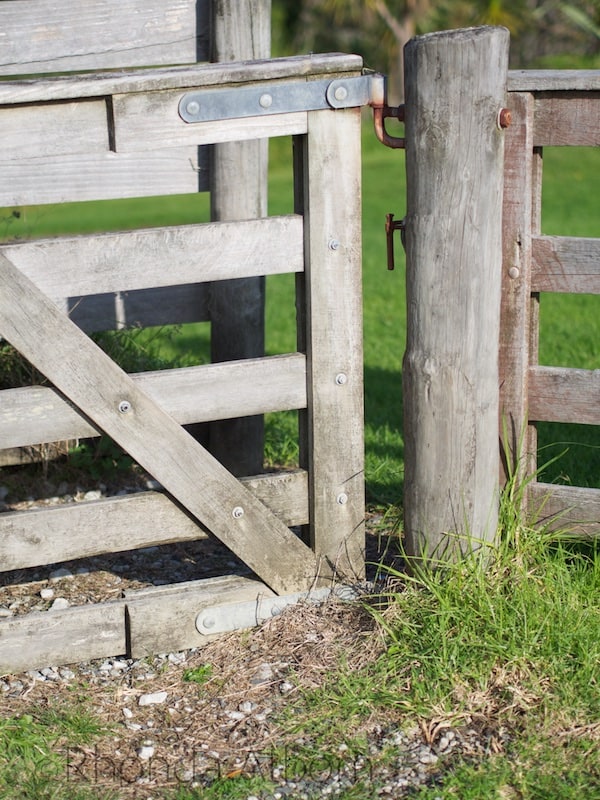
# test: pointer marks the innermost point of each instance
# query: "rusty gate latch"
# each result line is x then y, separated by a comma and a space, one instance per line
392, 225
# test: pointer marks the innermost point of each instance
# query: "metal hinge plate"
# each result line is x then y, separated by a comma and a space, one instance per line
238, 616
209, 105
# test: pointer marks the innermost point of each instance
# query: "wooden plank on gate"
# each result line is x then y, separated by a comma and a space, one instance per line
561, 394
81, 371
567, 118
572, 509
151, 613
142, 259
53, 534
37, 639
37, 414
565, 264
45, 36
333, 291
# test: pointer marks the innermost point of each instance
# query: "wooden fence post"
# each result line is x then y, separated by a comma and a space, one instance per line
240, 31
455, 83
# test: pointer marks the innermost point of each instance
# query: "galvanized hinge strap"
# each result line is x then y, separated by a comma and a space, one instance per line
238, 616
209, 105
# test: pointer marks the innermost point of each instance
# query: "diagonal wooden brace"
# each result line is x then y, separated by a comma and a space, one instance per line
100, 389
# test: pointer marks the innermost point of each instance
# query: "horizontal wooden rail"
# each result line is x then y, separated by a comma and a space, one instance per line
53, 534
141, 259
571, 509
561, 394
567, 118
37, 414
551, 80
565, 264
138, 625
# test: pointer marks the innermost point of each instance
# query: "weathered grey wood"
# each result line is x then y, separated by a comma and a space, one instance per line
53, 129
162, 619
38, 639
141, 308
548, 80
79, 530
573, 509
80, 370
516, 304
145, 121
559, 394
567, 118
140, 259
333, 336
45, 36
239, 191
104, 176
565, 264
38, 414
184, 78
454, 157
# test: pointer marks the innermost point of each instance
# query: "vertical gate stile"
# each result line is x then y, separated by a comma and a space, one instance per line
333, 335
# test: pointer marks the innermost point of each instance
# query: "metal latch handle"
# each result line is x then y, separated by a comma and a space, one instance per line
392, 225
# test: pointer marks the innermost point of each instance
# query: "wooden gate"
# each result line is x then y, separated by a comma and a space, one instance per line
548, 109
134, 133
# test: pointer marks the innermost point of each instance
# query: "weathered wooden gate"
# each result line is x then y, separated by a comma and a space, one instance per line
549, 108
132, 133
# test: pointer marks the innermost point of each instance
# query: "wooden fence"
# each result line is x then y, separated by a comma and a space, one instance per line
549, 109
476, 265
103, 135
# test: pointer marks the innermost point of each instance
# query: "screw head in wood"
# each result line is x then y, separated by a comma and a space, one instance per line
342, 498
341, 379
514, 272
124, 406
333, 244
238, 512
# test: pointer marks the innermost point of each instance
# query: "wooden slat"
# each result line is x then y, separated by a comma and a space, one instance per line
103, 176
558, 394
334, 339
572, 509
549, 80
162, 619
149, 120
516, 309
60, 533
184, 78
142, 308
45, 36
565, 264
142, 259
567, 119
38, 639
52, 129
38, 414
79, 369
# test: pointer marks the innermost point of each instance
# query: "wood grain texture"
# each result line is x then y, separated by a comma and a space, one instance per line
238, 190
565, 264
112, 262
567, 118
38, 414
332, 294
549, 80
573, 509
560, 394
151, 613
80, 530
516, 304
191, 77
78, 369
44, 36
454, 157
38, 639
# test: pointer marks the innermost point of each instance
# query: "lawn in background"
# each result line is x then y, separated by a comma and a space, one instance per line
570, 324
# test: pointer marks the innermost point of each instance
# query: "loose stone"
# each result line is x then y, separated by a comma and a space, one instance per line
47, 594
152, 699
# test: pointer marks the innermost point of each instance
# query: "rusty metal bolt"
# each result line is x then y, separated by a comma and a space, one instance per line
504, 118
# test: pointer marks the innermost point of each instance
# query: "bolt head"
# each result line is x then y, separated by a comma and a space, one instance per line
341, 93
193, 108
341, 379
333, 244
266, 100
342, 499
124, 406
514, 272
504, 118
238, 512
